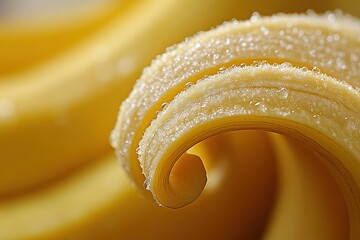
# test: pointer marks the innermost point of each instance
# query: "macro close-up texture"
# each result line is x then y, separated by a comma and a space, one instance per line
171, 119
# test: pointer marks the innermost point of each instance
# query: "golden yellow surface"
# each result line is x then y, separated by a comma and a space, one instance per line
63, 78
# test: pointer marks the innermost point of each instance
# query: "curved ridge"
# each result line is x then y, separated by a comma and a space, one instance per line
259, 79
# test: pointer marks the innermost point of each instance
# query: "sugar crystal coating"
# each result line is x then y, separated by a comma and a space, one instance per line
286, 38
252, 96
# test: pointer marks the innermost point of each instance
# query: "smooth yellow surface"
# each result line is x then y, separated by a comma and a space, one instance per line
28, 41
100, 202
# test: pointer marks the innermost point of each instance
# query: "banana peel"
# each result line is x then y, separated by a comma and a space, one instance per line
296, 75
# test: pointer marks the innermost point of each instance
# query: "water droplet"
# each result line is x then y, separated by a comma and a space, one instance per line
164, 105
188, 85
316, 70
263, 108
316, 118
284, 93
138, 150
310, 12
146, 185
255, 17
286, 64
331, 17
336, 37
264, 30
256, 63
221, 69
329, 38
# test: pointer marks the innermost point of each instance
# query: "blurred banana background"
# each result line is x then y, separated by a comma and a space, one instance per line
64, 70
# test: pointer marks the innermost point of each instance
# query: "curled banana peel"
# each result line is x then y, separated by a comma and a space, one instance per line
297, 75
57, 116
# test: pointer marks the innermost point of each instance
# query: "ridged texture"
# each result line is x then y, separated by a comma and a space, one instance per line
297, 75
57, 108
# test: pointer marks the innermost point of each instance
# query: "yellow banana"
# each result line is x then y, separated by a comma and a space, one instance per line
28, 40
57, 116
297, 75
